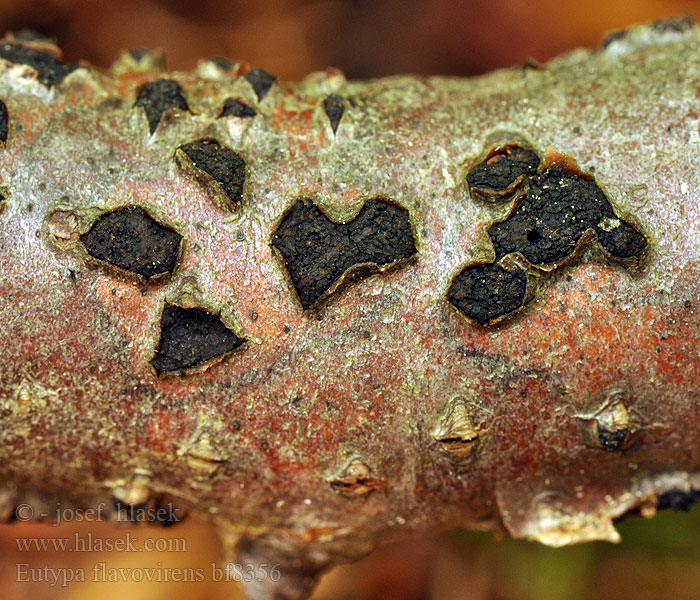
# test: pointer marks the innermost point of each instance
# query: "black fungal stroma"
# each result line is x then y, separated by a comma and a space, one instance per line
51, 71
499, 176
261, 82
550, 220
553, 212
612, 441
488, 292
223, 165
158, 96
317, 251
190, 337
334, 107
4, 122
235, 107
131, 240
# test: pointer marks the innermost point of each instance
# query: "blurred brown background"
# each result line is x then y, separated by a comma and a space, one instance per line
364, 38
658, 559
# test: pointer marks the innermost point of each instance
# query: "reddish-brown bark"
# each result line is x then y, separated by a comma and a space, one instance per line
381, 408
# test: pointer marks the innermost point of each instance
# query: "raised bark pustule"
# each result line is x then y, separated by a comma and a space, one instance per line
348, 311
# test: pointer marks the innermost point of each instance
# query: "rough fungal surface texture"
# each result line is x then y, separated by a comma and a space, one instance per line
130, 239
318, 252
223, 165
556, 208
465, 303
157, 97
189, 337
235, 107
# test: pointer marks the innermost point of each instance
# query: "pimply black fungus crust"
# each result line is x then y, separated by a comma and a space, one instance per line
317, 251
554, 209
612, 440
4, 122
190, 337
619, 238
221, 163
235, 107
130, 239
550, 220
498, 175
488, 292
158, 96
51, 71
678, 24
678, 500
334, 106
261, 82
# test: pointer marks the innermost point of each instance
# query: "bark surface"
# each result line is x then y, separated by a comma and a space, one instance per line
344, 357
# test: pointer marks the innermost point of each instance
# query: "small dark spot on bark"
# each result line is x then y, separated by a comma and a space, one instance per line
499, 176
138, 54
678, 24
51, 71
550, 220
261, 81
334, 106
223, 63
223, 165
286, 328
235, 107
486, 293
130, 239
531, 64
612, 440
190, 337
678, 500
264, 445
29, 207
158, 96
318, 252
4, 122
614, 37
254, 315
236, 425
